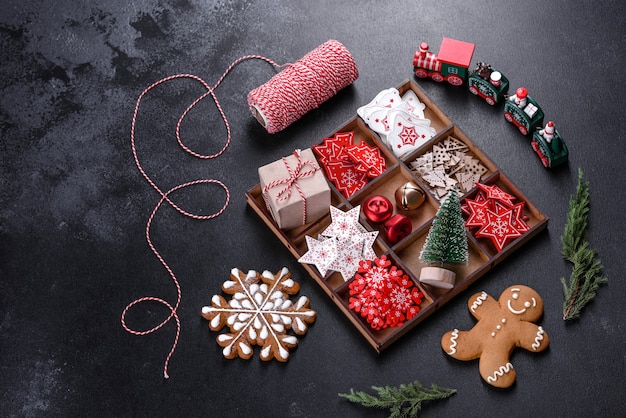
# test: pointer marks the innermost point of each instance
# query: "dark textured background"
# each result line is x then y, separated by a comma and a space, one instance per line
73, 206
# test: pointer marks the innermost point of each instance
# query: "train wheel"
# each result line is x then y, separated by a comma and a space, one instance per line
473, 90
523, 129
437, 77
490, 101
455, 80
508, 117
541, 154
421, 73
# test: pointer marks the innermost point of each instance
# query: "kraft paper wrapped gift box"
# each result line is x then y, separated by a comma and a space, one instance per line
283, 184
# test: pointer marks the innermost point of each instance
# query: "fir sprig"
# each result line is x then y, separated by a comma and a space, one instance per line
403, 401
586, 275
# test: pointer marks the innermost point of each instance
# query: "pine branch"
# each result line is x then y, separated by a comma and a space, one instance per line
576, 225
586, 275
403, 401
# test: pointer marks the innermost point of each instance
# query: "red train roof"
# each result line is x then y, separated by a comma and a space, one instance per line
456, 52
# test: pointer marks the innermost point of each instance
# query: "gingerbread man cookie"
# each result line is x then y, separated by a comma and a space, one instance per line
502, 325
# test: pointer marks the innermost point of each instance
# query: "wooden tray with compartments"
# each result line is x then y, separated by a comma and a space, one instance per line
483, 255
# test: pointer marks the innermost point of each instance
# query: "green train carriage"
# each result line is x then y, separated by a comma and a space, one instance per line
523, 112
488, 83
451, 64
552, 152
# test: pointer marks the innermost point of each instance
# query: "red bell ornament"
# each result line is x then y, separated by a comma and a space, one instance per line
377, 209
397, 228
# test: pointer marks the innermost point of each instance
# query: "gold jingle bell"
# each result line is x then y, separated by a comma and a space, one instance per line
409, 196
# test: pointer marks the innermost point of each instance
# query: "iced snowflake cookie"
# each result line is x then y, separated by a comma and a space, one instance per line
502, 325
259, 313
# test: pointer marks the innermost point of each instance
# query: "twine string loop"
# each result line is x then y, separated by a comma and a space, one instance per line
165, 196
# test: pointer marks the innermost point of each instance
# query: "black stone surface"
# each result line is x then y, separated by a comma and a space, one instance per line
73, 206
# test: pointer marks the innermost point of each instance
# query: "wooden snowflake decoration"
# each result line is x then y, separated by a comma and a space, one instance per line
259, 313
383, 294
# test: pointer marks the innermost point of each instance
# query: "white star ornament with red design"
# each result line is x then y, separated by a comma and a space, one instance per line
320, 253
349, 255
343, 224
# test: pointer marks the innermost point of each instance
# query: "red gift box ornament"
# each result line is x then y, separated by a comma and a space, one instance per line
377, 209
397, 228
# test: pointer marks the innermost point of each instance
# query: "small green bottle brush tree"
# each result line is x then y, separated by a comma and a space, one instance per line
446, 243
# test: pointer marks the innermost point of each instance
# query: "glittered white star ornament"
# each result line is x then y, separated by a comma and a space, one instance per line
320, 253
349, 254
368, 239
344, 224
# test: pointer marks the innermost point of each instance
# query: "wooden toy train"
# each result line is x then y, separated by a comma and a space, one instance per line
452, 64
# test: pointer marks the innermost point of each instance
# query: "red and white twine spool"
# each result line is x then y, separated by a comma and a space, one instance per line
303, 86
290, 94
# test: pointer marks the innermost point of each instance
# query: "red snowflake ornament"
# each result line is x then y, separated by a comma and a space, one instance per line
383, 295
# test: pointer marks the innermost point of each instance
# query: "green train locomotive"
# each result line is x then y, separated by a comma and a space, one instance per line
449, 65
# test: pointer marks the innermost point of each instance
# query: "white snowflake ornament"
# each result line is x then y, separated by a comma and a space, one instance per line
259, 313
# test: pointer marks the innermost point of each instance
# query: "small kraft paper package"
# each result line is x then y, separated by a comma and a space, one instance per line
295, 189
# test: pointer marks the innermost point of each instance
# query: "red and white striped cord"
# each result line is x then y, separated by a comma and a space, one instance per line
165, 196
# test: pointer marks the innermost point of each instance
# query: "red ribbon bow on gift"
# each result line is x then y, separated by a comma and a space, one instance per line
294, 175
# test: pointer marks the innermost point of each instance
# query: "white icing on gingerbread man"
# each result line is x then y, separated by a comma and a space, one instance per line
502, 325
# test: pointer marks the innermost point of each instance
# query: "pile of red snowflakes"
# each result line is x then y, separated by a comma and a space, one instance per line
383, 294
